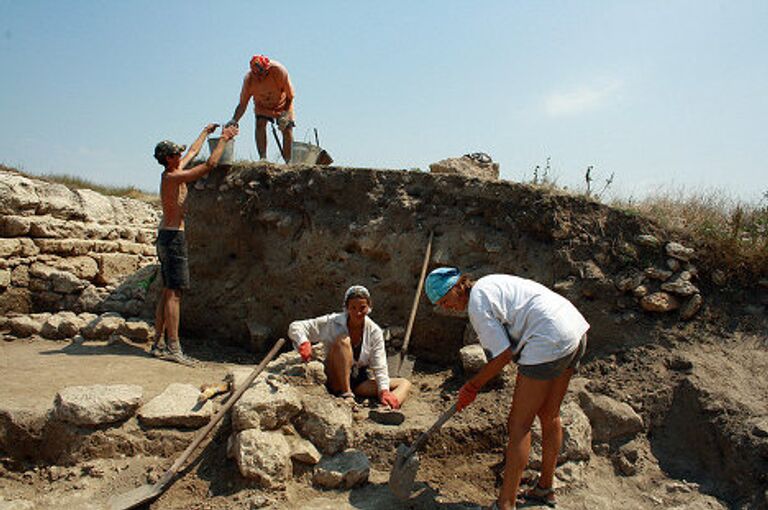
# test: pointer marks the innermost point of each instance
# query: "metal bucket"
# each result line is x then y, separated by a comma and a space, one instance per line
304, 153
228, 156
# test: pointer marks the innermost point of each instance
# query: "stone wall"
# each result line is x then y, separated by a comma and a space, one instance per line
78, 250
269, 245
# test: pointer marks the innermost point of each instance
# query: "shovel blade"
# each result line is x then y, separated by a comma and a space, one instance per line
136, 497
403, 473
400, 366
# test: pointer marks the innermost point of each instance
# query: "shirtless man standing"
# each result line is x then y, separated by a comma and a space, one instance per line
171, 245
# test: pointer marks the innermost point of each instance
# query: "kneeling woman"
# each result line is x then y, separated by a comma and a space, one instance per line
353, 343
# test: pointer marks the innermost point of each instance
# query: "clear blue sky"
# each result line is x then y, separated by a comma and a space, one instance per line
662, 93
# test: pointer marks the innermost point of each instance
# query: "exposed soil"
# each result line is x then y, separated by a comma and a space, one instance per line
461, 467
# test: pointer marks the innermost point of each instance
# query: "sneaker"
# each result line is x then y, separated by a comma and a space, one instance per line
158, 350
178, 356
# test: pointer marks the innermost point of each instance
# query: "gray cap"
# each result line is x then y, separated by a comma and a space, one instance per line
167, 148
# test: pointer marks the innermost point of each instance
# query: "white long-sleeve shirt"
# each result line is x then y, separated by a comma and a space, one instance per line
539, 324
329, 327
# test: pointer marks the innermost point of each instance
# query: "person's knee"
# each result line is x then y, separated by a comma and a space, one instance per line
400, 383
550, 420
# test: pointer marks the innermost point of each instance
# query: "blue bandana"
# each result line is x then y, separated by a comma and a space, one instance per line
440, 281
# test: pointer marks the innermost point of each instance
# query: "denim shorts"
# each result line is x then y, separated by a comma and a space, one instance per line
553, 369
172, 252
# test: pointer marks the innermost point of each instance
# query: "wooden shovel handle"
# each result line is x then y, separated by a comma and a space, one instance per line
416, 298
217, 418
425, 435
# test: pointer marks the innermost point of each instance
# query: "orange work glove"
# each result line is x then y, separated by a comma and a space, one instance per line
389, 399
467, 395
305, 350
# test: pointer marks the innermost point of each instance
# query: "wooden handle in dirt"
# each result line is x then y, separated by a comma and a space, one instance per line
425, 435
234, 398
416, 298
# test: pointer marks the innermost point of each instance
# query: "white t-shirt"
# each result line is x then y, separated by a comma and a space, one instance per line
539, 324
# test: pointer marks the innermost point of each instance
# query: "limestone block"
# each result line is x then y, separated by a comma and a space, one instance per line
680, 252
681, 287
648, 240
97, 404
610, 419
113, 266
268, 405
303, 450
20, 276
57, 200
342, 471
691, 307
136, 329
103, 327
654, 273
466, 166
325, 422
5, 278
24, 326
46, 226
66, 283
473, 358
83, 267
263, 456
17, 194
60, 325
10, 247
90, 299
17, 504
176, 406
14, 226
659, 302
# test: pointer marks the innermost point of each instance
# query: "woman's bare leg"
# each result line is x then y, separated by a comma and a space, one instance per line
552, 428
338, 364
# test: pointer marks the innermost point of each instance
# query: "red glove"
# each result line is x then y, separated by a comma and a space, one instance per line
305, 350
467, 395
389, 399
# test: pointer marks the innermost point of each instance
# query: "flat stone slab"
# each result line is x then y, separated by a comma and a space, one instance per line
344, 470
269, 405
262, 456
98, 404
177, 406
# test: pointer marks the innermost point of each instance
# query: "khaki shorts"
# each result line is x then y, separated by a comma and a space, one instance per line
553, 369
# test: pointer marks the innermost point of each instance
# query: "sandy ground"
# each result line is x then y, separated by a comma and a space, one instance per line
453, 475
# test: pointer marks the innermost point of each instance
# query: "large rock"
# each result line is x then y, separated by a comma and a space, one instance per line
83, 267
659, 302
691, 307
473, 358
268, 405
262, 456
136, 329
114, 266
176, 406
610, 419
469, 165
5, 278
62, 325
103, 327
342, 471
24, 326
302, 450
14, 226
326, 422
577, 436
680, 252
97, 404
681, 287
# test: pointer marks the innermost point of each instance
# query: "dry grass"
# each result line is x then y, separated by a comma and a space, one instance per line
734, 233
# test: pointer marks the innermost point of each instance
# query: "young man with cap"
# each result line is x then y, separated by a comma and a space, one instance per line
269, 85
523, 321
171, 244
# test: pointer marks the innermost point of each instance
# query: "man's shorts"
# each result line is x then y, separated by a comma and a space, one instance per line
273, 119
172, 252
553, 369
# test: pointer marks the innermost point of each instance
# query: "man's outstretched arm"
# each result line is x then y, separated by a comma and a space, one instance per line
194, 149
198, 171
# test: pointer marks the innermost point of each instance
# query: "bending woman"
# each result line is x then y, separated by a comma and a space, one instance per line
353, 343
523, 321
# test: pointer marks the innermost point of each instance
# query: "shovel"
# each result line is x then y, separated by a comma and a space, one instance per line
401, 365
147, 493
407, 462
